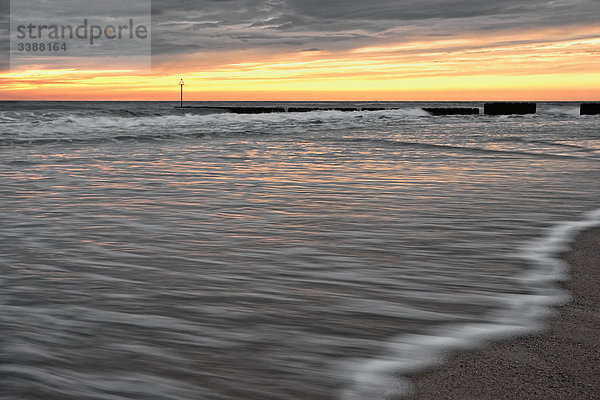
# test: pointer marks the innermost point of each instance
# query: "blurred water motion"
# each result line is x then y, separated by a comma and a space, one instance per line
155, 254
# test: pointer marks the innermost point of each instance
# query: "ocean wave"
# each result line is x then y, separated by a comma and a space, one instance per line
480, 150
70, 128
378, 378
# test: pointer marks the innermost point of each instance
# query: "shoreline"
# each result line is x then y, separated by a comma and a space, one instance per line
562, 362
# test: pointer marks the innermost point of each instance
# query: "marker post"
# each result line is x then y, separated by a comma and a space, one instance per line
181, 83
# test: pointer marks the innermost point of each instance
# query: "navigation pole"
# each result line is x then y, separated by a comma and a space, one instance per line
181, 83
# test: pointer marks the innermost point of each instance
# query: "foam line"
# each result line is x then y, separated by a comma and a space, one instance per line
381, 377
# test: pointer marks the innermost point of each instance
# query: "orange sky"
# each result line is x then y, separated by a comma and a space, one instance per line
551, 64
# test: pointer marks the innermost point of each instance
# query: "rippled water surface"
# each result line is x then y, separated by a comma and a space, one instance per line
154, 253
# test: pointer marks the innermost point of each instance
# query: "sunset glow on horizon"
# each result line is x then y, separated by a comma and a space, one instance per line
554, 63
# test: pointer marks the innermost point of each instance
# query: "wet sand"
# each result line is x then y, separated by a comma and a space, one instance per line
561, 363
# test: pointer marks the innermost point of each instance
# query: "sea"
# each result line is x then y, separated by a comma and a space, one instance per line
155, 252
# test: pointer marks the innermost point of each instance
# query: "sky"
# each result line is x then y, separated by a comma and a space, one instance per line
321, 50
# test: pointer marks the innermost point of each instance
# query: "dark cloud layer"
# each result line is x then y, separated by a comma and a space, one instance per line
187, 25
190, 26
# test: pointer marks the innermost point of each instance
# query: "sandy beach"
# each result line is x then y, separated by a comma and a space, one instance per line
561, 363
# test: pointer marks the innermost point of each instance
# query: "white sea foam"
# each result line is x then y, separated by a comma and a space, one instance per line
65, 126
378, 378
565, 110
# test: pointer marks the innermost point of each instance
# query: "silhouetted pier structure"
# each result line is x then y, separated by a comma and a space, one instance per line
509, 108
589, 109
269, 110
497, 108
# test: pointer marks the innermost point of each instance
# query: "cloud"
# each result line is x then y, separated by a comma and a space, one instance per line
182, 27
209, 25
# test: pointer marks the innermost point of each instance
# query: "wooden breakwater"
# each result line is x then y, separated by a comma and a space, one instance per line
269, 110
590, 109
279, 109
501, 108
495, 108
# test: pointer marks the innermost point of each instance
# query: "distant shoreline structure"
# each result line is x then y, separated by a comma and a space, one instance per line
492, 108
